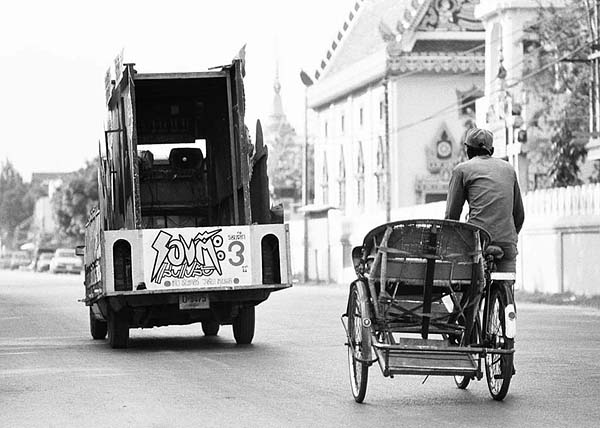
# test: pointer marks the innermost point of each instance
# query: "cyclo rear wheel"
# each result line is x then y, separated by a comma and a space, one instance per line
498, 367
358, 369
462, 382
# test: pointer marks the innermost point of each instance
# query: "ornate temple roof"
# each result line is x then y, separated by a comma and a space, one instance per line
433, 27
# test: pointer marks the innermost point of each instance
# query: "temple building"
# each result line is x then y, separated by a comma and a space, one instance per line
285, 154
392, 99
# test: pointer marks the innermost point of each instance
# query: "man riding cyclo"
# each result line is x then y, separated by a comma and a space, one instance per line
491, 188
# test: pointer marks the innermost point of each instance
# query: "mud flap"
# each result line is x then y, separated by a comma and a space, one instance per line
365, 310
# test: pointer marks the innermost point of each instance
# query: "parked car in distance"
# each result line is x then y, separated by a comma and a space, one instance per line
43, 263
5, 260
19, 259
65, 261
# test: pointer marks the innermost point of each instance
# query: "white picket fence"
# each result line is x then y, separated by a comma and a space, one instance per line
564, 201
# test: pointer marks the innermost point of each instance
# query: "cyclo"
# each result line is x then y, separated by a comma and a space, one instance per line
427, 301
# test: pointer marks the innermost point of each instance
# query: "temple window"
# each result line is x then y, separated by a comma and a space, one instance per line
360, 177
380, 172
325, 180
342, 181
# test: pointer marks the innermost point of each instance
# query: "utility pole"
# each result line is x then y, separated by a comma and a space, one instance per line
307, 82
596, 67
594, 60
387, 158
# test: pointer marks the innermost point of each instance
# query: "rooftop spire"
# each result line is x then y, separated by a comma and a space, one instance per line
277, 114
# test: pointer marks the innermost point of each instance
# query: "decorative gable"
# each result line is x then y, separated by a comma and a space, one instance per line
451, 15
442, 155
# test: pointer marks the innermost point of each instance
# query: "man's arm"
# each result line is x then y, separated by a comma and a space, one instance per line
518, 210
456, 196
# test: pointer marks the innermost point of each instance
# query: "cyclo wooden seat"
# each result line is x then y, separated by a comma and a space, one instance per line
423, 275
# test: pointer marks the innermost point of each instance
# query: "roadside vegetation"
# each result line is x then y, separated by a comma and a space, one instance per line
562, 299
70, 205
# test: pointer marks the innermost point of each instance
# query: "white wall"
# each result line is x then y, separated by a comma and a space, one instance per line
560, 240
415, 98
411, 99
558, 246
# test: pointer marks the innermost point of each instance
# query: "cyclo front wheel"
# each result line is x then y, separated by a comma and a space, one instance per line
498, 367
358, 368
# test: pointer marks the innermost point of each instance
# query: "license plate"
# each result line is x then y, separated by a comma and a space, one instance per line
193, 301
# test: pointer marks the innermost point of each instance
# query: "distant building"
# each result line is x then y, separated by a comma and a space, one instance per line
43, 217
398, 84
285, 154
43, 221
51, 180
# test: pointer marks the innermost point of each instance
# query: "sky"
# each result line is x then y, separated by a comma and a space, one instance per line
54, 54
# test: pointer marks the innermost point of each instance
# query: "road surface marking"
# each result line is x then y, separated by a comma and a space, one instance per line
17, 353
57, 370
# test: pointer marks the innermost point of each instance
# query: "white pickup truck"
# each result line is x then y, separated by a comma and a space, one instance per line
184, 231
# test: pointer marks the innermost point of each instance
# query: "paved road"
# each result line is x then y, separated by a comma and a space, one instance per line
295, 374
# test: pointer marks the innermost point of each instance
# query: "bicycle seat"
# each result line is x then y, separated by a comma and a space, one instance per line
495, 251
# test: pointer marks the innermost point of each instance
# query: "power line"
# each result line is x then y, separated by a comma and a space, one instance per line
452, 108
482, 46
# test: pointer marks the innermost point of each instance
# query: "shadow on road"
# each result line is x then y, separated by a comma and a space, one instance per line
194, 344
183, 344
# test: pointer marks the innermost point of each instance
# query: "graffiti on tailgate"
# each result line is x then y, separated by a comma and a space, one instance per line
177, 258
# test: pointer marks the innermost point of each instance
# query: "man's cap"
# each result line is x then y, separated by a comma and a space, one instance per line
480, 139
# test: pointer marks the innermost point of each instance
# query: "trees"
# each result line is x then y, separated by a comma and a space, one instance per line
560, 94
71, 205
285, 160
73, 201
568, 152
14, 207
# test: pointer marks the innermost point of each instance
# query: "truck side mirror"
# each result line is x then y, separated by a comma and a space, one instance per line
80, 250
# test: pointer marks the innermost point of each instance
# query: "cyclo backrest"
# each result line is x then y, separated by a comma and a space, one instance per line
454, 246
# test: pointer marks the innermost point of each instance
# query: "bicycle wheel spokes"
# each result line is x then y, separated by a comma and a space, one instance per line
358, 369
498, 367
462, 382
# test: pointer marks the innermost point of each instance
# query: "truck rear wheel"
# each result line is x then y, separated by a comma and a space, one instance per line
118, 329
98, 328
210, 328
243, 326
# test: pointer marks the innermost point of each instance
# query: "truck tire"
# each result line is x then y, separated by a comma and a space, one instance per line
243, 326
210, 328
118, 329
98, 328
